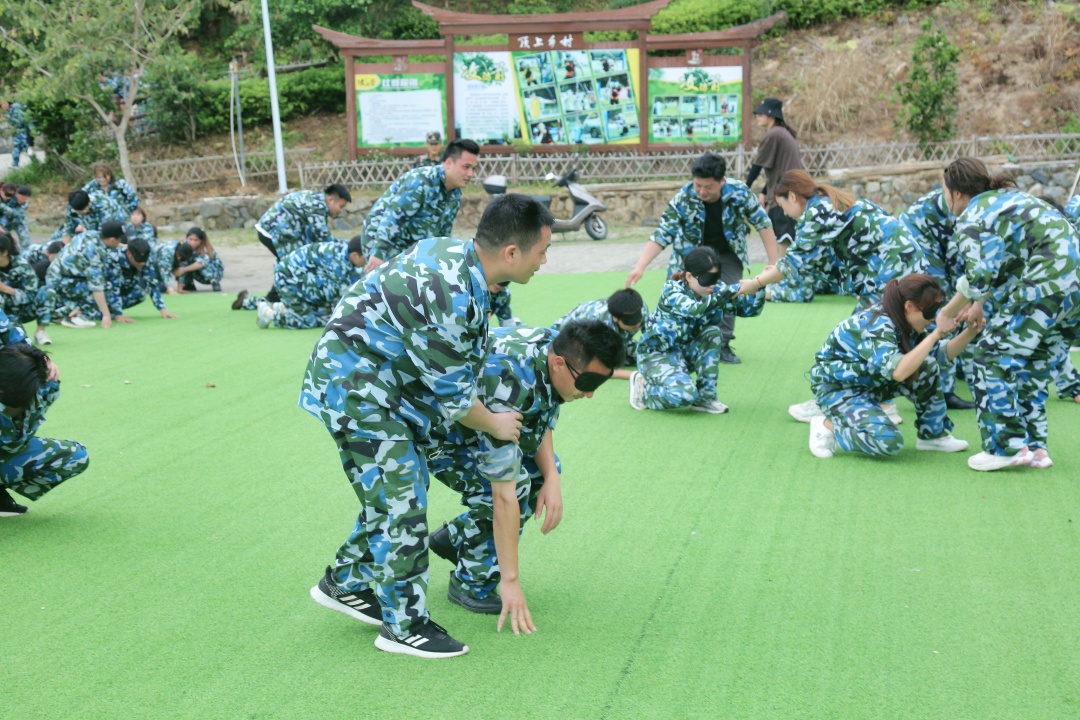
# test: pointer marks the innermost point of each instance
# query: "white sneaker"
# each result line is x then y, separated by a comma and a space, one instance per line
986, 462
945, 443
637, 390
265, 314
892, 413
41, 337
805, 411
1040, 459
77, 321
822, 439
710, 406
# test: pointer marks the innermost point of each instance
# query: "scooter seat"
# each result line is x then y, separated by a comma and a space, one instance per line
544, 200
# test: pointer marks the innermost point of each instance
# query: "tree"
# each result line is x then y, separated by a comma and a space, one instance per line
928, 93
63, 47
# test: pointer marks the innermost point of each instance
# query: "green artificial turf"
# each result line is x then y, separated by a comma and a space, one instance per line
707, 566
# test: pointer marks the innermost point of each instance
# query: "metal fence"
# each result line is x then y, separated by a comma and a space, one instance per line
623, 167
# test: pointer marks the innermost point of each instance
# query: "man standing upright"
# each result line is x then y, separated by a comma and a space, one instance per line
714, 211
401, 355
20, 129
433, 151
420, 204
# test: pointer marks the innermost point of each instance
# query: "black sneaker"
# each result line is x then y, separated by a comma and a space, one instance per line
189, 285
728, 357
238, 303
955, 402
426, 640
362, 606
439, 543
8, 507
215, 286
491, 605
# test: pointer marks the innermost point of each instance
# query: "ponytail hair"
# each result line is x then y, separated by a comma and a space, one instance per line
787, 127
922, 290
800, 183
970, 177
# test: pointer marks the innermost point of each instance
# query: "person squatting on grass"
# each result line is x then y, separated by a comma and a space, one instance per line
402, 354
712, 211
205, 266
532, 371
624, 311
75, 282
877, 354
422, 203
300, 218
683, 337
130, 279
29, 465
1020, 272
310, 280
20, 296
168, 258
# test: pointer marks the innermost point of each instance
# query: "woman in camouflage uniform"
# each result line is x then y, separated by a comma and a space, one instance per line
1020, 272
877, 354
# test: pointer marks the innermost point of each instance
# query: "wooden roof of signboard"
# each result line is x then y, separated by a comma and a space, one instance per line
637, 17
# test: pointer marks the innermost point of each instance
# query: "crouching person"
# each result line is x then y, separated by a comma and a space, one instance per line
29, 465
532, 371
877, 354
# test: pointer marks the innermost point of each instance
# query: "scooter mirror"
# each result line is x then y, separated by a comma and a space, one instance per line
551, 177
495, 184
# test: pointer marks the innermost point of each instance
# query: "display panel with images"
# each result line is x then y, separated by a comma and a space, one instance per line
695, 104
398, 110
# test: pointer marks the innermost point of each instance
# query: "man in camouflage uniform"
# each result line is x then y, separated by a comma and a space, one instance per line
401, 355
310, 281
532, 371
76, 281
300, 218
422, 203
168, 260
21, 129
624, 311
18, 206
1020, 271
131, 279
712, 210
432, 150
19, 287
29, 465
499, 305
88, 212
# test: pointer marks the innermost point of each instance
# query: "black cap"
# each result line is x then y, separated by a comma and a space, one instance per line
113, 229
771, 107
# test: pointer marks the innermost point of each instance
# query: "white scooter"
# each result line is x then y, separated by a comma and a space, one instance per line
586, 206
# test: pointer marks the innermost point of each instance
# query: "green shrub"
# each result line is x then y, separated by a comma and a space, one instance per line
928, 94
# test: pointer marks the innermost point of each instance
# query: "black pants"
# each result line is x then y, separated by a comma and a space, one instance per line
783, 226
272, 294
731, 271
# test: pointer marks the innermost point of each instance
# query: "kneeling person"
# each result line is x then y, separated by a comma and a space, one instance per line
624, 311
131, 280
75, 282
310, 281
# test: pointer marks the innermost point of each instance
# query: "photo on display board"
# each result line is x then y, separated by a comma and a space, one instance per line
604, 62
547, 132
615, 90
571, 65
577, 96
621, 124
541, 103
694, 104
534, 70
586, 128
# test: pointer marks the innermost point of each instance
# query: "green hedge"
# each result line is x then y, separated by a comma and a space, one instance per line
687, 16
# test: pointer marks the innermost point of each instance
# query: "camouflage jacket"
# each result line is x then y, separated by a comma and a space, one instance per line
119, 190
145, 230
404, 346
13, 216
683, 223
598, 310
1072, 212
681, 316
931, 223
102, 208
514, 377
11, 332
861, 355
1016, 248
19, 275
861, 249
416, 206
15, 432
210, 261
123, 280
499, 305
162, 262
16, 116
299, 218
321, 273
84, 257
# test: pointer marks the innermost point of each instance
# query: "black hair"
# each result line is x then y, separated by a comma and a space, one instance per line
112, 229
197, 232
55, 247
22, 371
922, 290
24, 190
455, 147
8, 244
184, 253
338, 190
701, 260
582, 341
625, 302
512, 219
79, 200
356, 244
139, 249
9, 186
709, 165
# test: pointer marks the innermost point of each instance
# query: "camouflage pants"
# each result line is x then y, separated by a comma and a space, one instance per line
473, 532
32, 309
859, 423
387, 549
251, 302
1013, 360
67, 296
20, 143
206, 276
668, 384
300, 315
41, 465
801, 289
1066, 378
